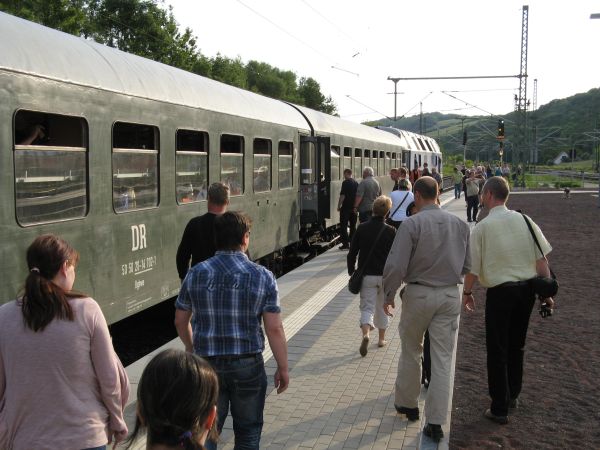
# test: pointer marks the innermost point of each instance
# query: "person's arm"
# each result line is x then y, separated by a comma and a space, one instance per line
353, 253
184, 252
183, 326
357, 201
396, 265
105, 363
543, 269
341, 201
276, 336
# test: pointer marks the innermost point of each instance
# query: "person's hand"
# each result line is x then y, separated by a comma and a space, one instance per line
281, 379
548, 301
388, 307
468, 302
116, 437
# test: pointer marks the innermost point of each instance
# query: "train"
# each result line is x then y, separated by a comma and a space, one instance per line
114, 153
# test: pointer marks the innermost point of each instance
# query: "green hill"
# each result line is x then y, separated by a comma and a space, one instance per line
561, 125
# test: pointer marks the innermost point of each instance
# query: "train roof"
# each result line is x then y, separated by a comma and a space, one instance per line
325, 123
33, 49
415, 142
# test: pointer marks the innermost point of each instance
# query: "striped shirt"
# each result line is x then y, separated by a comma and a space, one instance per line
227, 295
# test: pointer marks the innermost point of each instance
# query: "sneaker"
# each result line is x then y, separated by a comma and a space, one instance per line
382, 343
502, 420
434, 432
344, 247
363, 346
513, 403
411, 413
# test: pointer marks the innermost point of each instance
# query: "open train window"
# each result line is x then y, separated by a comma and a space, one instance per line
286, 164
51, 167
347, 164
358, 162
261, 176
191, 166
134, 166
335, 162
232, 163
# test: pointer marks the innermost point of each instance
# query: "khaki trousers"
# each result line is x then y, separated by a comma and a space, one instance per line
436, 309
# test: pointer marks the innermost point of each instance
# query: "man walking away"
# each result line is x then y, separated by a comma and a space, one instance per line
368, 190
219, 312
504, 259
457, 179
198, 240
430, 254
346, 209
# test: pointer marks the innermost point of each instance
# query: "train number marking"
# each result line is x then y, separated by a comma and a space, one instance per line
138, 237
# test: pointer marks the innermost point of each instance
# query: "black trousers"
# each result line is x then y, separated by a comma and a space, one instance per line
507, 312
347, 217
472, 204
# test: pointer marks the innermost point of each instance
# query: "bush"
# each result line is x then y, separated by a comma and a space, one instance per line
564, 184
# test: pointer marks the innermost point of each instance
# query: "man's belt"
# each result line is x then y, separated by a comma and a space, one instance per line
512, 284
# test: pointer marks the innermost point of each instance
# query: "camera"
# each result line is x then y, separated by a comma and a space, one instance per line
545, 310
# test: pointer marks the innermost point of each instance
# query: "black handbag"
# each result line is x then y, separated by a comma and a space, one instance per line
355, 282
544, 287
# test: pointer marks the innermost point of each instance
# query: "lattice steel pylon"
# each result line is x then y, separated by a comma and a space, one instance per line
522, 144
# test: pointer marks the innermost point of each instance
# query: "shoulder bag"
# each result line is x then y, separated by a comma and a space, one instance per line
544, 287
391, 221
355, 282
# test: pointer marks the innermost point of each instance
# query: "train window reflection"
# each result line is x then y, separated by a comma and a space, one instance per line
335, 162
261, 176
51, 169
358, 162
191, 161
135, 166
232, 163
308, 164
286, 156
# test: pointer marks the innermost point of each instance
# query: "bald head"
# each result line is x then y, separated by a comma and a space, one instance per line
427, 187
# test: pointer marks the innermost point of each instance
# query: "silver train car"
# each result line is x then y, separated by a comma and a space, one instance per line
114, 153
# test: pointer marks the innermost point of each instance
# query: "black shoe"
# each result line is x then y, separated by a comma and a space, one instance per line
411, 413
434, 432
502, 420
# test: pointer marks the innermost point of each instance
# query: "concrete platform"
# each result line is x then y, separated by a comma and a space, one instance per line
336, 398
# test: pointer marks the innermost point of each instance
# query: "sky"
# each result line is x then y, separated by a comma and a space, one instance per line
351, 47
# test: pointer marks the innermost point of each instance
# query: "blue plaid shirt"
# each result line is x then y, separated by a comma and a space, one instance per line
227, 295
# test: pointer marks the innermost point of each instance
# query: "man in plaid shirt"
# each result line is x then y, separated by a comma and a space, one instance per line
219, 311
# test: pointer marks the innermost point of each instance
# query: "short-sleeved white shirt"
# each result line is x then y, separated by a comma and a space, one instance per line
397, 198
502, 248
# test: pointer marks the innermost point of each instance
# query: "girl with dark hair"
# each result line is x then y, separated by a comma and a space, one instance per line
177, 398
61, 383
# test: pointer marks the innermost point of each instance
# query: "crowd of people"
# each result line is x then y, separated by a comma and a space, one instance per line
63, 386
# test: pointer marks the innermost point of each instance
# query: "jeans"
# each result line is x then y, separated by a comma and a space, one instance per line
472, 204
242, 388
507, 312
347, 216
457, 189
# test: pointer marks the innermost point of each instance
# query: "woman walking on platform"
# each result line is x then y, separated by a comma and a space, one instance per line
61, 384
371, 243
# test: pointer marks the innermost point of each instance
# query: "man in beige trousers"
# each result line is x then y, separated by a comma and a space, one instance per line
430, 254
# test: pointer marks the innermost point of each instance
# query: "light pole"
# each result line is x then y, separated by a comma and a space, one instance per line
395, 80
597, 16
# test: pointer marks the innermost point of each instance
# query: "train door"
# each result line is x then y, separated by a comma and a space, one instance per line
315, 178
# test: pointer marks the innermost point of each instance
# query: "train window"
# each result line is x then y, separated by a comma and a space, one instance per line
388, 162
261, 177
428, 145
381, 163
232, 163
374, 162
51, 167
358, 162
347, 164
335, 162
286, 164
308, 164
135, 166
191, 166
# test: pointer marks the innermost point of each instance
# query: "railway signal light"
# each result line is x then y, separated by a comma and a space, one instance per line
501, 129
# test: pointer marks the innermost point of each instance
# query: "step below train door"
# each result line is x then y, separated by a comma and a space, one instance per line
315, 179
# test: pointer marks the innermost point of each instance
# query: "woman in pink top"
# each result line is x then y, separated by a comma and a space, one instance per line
61, 384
